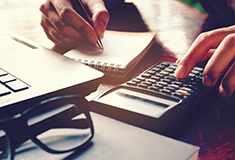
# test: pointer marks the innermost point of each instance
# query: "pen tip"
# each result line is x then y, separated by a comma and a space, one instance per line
100, 45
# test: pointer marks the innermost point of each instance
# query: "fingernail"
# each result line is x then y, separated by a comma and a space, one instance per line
222, 92
180, 71
206, 80
177, 61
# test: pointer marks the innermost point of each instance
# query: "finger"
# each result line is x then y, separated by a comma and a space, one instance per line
205, 57
45, 7
227, 86
65, 30
100, 16
178, 61
201, 46
50, 31
64, 47
221, 58
71, 17
50, 13
56, 37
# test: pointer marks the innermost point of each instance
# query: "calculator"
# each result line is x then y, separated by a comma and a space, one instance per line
154, 100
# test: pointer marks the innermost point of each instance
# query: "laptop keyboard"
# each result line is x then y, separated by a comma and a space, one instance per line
10, 84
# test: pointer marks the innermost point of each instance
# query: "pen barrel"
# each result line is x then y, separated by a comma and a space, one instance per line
82, 10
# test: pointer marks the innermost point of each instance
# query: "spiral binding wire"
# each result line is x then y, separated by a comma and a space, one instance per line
103, 67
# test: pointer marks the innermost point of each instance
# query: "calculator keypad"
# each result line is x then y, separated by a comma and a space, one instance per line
160, 79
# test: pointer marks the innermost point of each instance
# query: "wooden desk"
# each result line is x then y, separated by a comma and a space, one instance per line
211, 125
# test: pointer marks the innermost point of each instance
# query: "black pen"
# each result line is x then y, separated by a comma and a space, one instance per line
80, 8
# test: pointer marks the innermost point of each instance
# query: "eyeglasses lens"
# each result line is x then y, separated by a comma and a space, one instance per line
60, 128
4, 146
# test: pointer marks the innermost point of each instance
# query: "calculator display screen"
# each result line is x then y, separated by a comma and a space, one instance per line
143, 101
137, 102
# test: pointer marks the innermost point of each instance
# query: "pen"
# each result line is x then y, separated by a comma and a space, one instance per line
80, 8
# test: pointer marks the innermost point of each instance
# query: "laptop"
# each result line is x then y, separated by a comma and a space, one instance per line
30, 73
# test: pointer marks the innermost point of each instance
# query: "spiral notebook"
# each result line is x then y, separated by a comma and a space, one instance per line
122, 51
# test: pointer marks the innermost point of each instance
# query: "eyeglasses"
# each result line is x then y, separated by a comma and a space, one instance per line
57, 125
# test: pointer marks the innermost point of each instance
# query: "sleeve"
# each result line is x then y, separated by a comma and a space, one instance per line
112, 3
220, 10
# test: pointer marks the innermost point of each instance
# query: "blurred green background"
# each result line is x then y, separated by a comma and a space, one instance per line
194, 4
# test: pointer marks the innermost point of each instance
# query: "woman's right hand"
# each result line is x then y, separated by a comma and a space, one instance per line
218, 47
67, 29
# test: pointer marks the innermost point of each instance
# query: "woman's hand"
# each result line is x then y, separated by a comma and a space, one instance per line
219, 47
67, 29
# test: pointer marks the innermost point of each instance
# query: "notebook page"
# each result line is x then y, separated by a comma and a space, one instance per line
120, 48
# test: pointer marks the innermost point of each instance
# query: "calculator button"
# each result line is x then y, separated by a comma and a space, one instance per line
174, 86
170, 88
143, 85
154, 88
156, 69
147, 83
191, 75
146, 75
151, 72
161, 66
155, 78
172, 78
136, 80
166, 91
186, 89
164, 73
163, 83
169, 70
159, 75
165, 64
140, 78
198, 69
177, 83
195, 72
166, 80
151, 81
172, 67
183, 92
158, 86
132, 83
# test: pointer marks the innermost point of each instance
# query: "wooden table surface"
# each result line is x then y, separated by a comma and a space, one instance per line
211, 126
